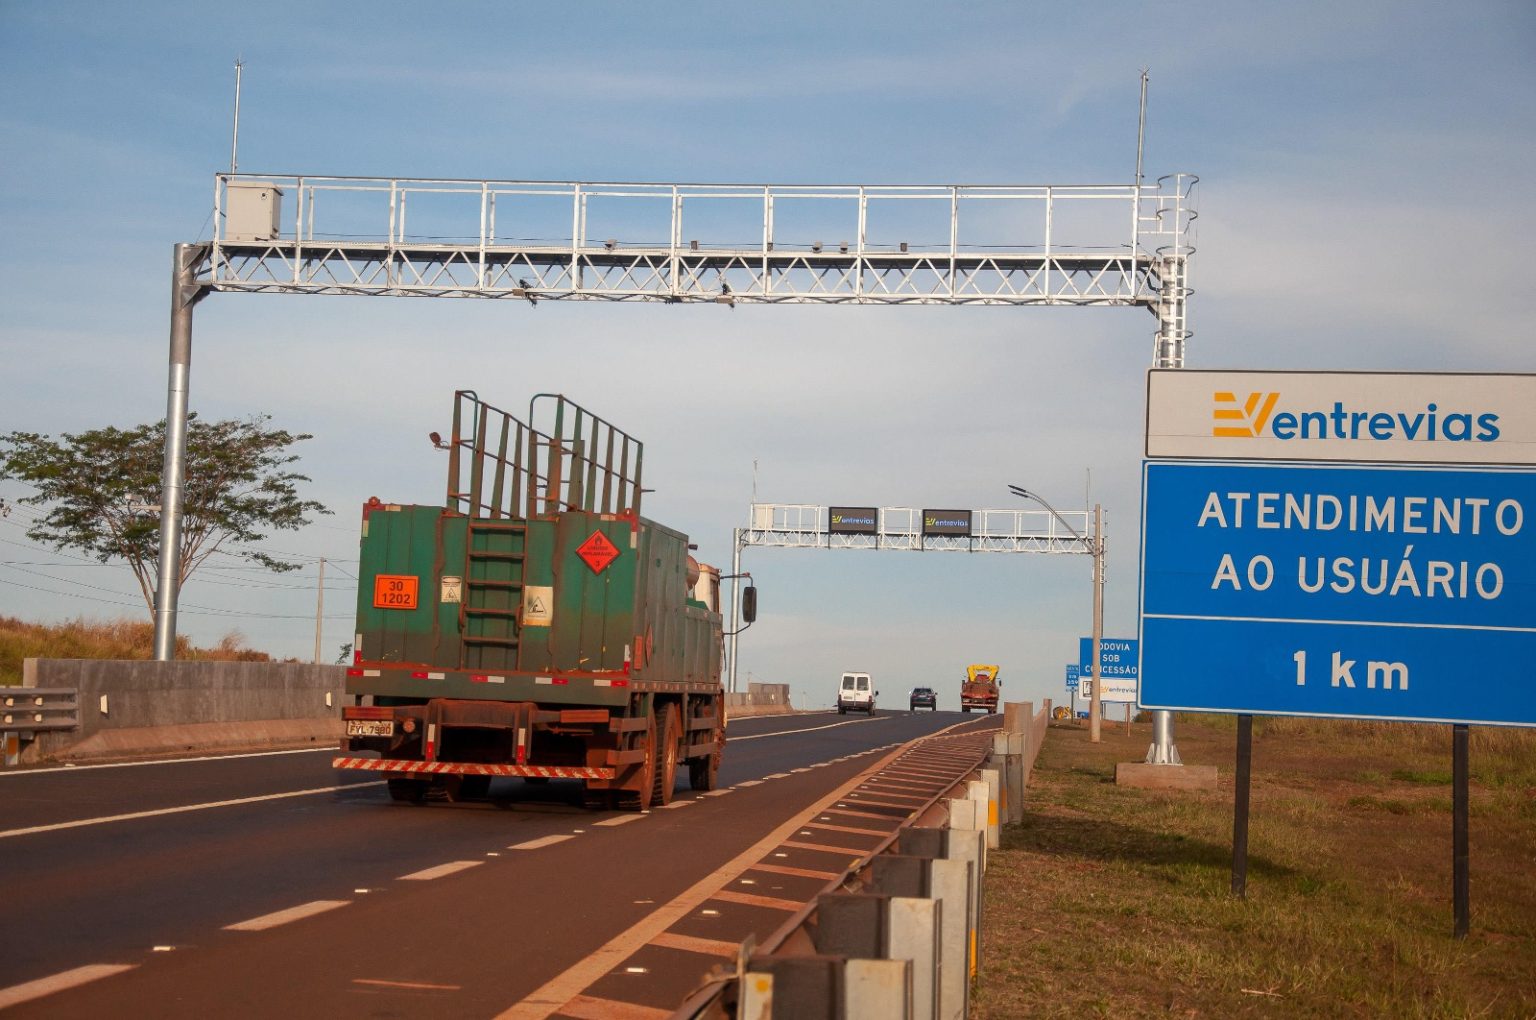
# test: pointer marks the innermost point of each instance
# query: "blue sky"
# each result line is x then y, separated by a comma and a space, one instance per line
1364, 204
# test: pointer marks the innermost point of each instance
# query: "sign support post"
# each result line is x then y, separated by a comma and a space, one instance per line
1460, 881
1240, 806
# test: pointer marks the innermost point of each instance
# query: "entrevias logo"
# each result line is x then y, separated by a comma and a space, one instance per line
1255, 417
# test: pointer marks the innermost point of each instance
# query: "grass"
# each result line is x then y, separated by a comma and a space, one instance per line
1114, 902
91, 639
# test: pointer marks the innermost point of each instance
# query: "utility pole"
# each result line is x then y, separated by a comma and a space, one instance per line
319, 608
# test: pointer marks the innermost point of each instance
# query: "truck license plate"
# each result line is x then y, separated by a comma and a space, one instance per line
370, 727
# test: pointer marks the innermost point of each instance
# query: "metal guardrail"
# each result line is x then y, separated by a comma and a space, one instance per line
24, 711
39, 708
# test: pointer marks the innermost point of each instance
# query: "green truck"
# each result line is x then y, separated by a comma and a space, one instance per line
536, 625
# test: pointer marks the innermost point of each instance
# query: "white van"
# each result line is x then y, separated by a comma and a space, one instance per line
857, 693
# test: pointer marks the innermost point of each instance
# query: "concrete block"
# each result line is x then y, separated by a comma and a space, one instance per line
914, 927
1165, 777
756, 997
877, 990
952, 888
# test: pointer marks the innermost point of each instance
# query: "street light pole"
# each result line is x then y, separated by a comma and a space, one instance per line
1096, 704
1096, 549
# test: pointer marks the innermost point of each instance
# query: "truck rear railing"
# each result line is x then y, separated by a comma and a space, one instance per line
501, 467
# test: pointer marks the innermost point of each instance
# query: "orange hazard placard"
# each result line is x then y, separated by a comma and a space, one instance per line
394, 591
598, 552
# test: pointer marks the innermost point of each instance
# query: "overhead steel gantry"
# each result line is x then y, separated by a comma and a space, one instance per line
1083, 245
1092, 245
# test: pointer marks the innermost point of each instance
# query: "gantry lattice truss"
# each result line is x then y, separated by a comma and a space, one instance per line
1091, 245
806, 526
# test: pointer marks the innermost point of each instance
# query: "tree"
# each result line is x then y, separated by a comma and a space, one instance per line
101, 489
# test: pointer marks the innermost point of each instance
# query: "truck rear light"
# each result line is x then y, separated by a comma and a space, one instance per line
357, 656
354, 672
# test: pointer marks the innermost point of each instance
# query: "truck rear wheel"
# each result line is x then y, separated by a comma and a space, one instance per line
704, 773
665, 778
637, 798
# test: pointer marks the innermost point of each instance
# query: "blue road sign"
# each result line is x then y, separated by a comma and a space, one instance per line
1117, 657
1074, 671
1349, 591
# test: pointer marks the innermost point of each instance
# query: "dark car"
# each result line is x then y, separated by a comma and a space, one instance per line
923, 697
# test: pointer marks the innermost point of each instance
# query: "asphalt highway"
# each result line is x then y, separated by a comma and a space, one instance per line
271, 885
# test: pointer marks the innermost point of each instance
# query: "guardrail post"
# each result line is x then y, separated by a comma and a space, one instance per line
992, 779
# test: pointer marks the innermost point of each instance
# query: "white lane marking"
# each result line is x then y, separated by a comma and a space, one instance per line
717, 793
185, 807
543, 841
30, 990
619, 820
751, 782
419, 986
790, 733
778, 775
298, 913
166, 761
451, 868
677, 804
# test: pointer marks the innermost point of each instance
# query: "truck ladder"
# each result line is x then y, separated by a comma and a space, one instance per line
490, 615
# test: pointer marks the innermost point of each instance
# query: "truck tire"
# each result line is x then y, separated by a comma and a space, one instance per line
665, 778
636, 799
704, 773
966, 709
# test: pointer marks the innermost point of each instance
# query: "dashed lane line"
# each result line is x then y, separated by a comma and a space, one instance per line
542, 841
619, 820
298, 913
17, 994
81, 822
451, 868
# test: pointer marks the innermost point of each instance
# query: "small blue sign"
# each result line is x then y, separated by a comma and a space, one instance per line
1117, 657
1074, 671
1348, 591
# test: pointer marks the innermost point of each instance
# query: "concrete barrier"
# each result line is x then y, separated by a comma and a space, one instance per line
137, 707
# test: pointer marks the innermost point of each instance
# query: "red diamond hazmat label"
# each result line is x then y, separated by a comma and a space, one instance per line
597, 552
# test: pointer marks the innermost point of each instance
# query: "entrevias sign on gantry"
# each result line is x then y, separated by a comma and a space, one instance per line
1372, 417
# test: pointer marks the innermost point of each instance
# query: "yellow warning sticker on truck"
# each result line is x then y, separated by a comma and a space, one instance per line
394, 591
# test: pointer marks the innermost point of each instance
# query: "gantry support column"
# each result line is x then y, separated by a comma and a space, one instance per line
1172, 331
185, 293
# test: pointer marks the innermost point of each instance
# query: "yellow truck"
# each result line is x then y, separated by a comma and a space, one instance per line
979, 690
